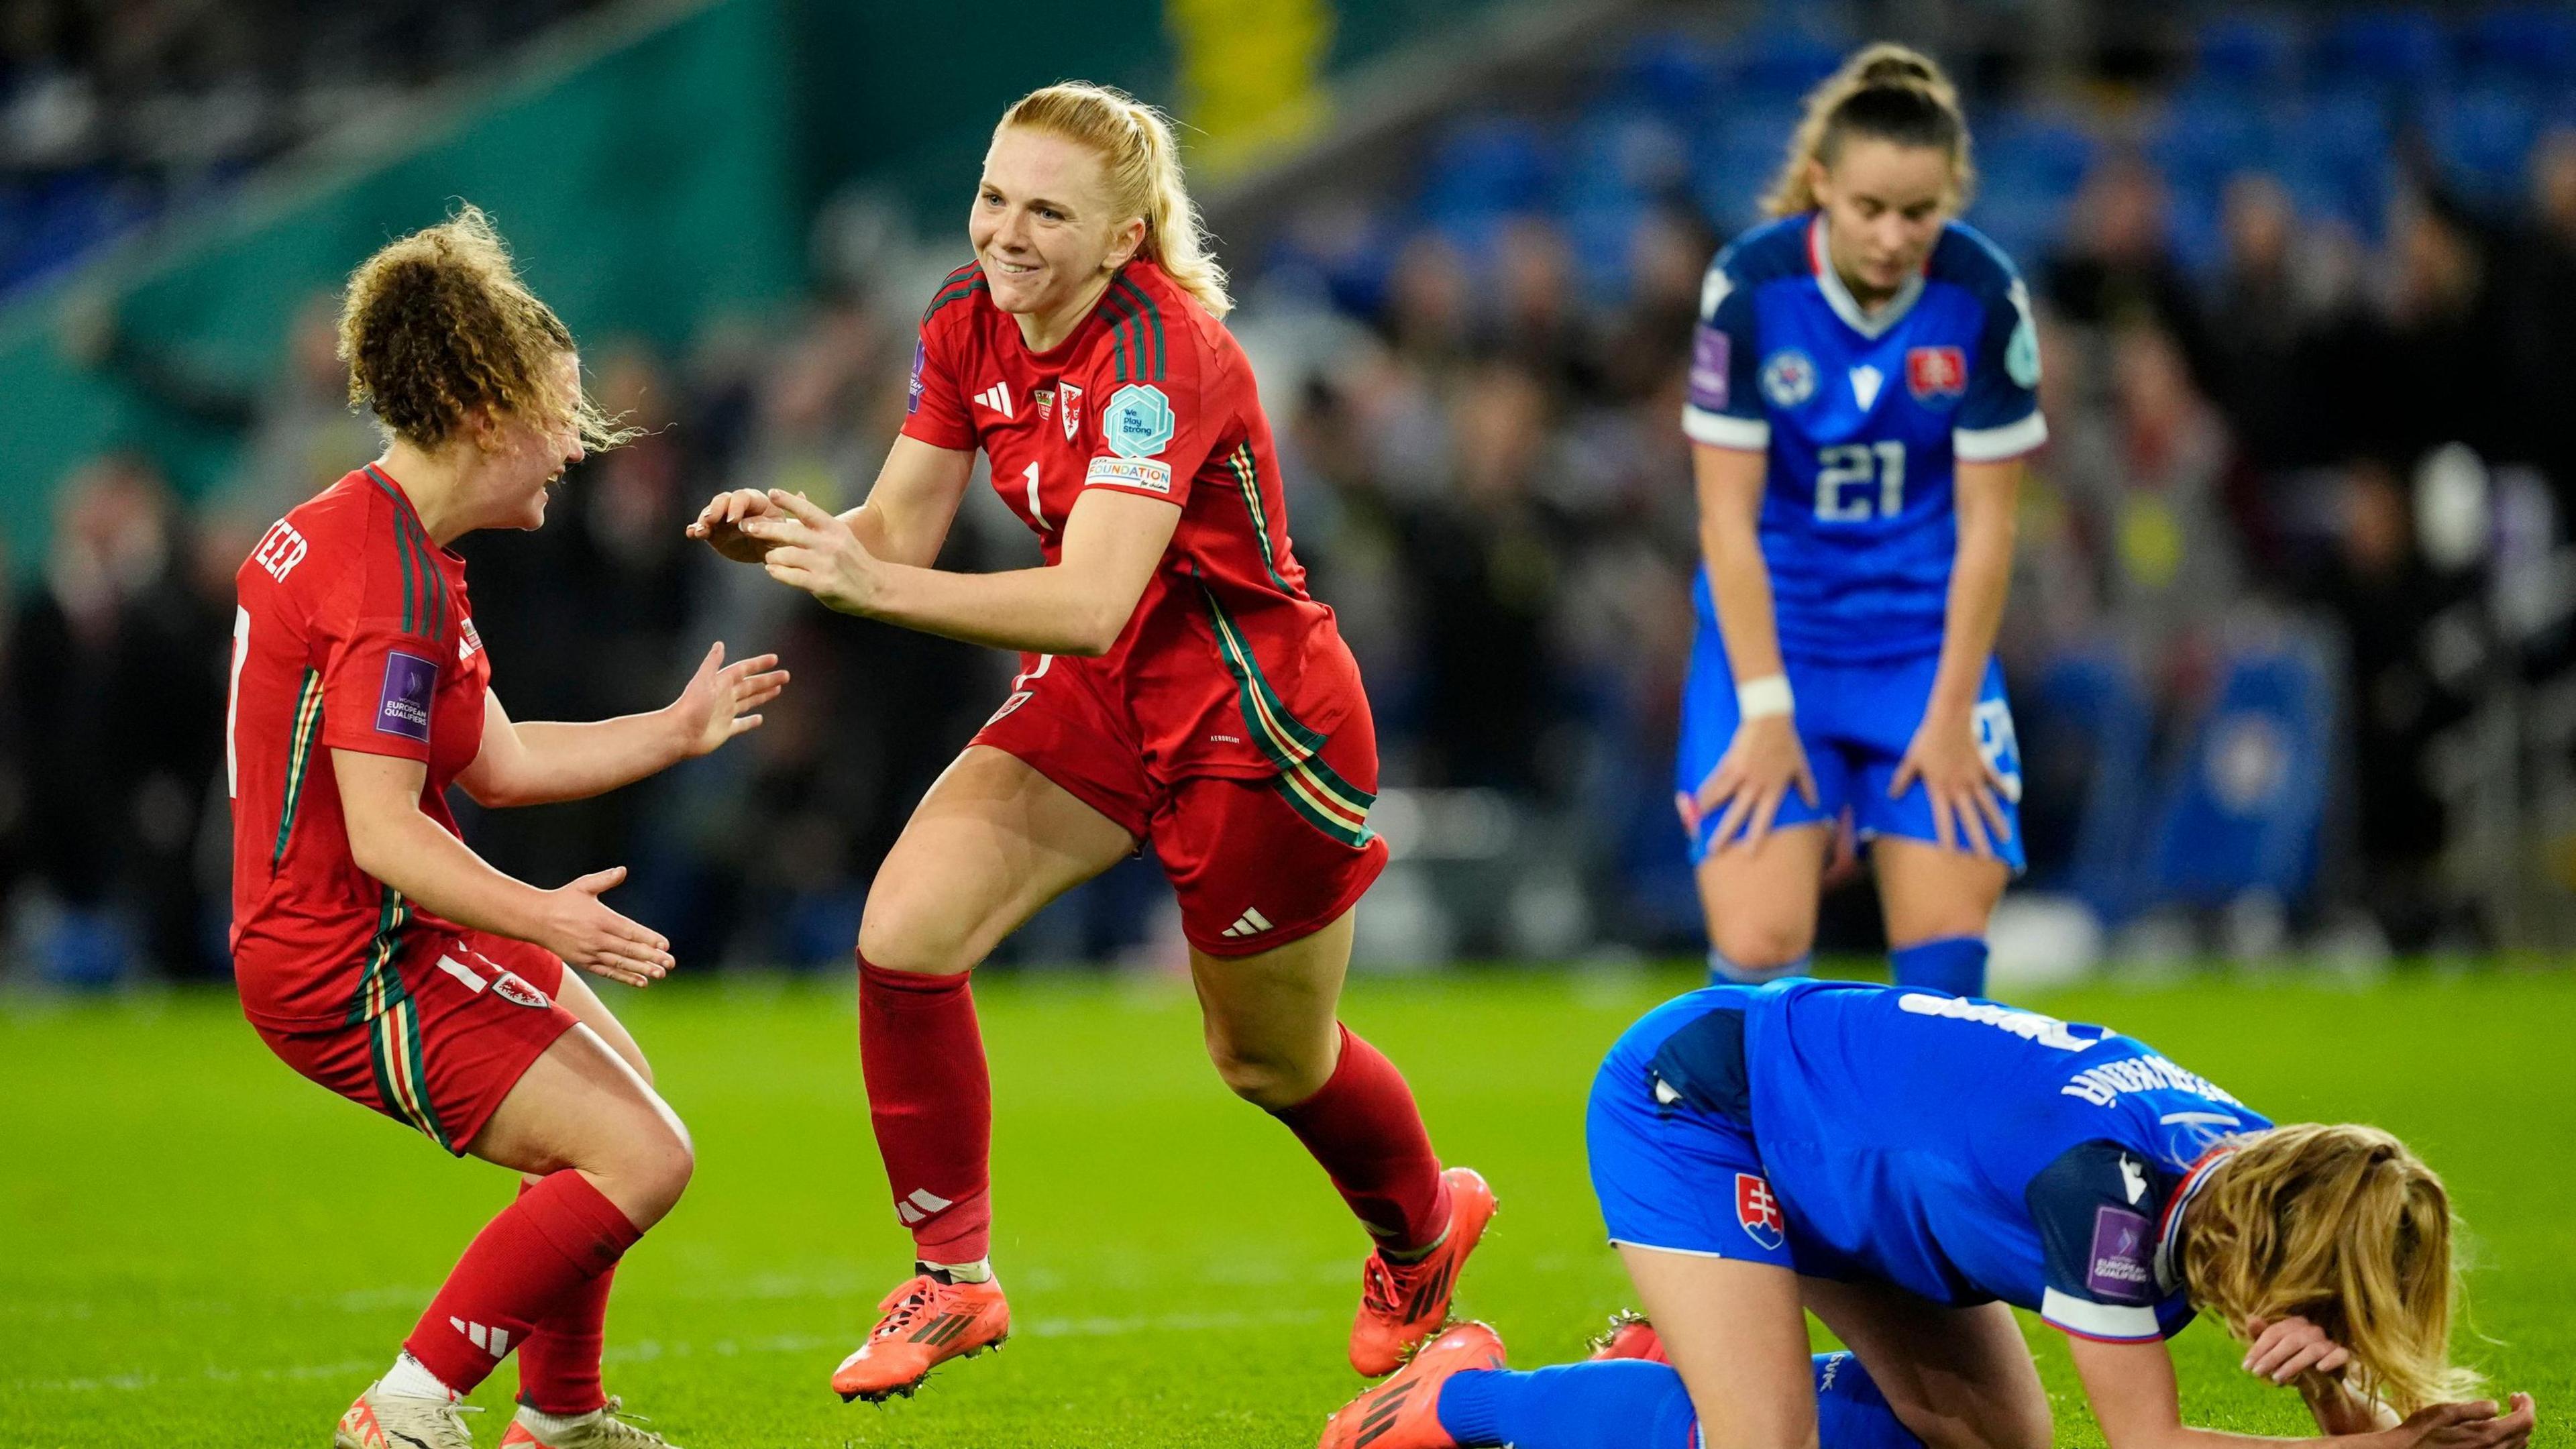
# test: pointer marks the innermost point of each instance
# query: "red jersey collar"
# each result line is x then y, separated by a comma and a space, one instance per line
402, 500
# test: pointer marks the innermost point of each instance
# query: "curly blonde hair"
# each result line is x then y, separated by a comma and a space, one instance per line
437, 323
2345, 1227
1887, 91
1141, 165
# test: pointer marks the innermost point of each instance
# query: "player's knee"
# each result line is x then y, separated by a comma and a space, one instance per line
1270, 1080
896, 934
669, 1159
1757, 946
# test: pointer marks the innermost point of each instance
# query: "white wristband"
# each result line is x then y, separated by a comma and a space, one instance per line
1763, 698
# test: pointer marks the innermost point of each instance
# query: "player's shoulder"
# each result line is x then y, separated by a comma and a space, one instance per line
327, 534
1776, 250
956, 299
1159, 332
369, 550
1967, 258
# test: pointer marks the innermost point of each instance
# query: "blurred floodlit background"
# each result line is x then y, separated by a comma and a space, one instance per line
2289, 643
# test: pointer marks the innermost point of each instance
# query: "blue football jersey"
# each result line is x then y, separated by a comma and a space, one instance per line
1966, 1151
1863, 418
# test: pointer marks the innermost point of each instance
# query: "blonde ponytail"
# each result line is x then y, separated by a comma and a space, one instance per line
2345, 1227
1884, 90
1141, 166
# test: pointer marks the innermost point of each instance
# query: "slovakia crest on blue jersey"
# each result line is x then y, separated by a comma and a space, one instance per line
1935, 373
1788, 378
1758, 1209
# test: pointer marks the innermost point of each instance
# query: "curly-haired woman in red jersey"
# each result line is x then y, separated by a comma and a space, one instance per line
1178, 685
376, 953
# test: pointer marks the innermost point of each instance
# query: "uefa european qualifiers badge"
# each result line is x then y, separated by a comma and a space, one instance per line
912, 396
1711, 351
1758, 1209
403, 708
1788, 378
1936, 375
2120, 1265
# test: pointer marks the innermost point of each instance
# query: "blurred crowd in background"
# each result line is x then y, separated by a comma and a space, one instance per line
112, 114
2300, 409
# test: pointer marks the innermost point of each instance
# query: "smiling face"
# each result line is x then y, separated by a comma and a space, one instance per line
1043, 224
1884, 206
523, 458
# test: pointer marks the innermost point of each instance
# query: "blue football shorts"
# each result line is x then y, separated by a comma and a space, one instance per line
1670, 1137
1855, 721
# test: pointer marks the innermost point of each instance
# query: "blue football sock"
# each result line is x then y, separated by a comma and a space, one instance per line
1850, 1411
1722, 972
1955, 964
1632, 1404
1620, 1403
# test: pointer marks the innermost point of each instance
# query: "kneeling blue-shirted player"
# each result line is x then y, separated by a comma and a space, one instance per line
1906, 1164
1862, 391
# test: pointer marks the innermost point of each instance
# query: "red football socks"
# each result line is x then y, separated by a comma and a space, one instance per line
932, 1102
1365, 1130
523, 1269
559, 1364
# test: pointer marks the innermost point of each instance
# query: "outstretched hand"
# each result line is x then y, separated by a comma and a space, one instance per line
718, 702
2479, 1425
719, 524
588, 935
816, 551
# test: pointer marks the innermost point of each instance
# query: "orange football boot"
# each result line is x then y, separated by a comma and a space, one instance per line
1630, 1335
1404, 1412
1401, 1304
926, 1324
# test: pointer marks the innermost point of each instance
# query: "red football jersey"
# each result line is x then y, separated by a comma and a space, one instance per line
353, 634
1228, 667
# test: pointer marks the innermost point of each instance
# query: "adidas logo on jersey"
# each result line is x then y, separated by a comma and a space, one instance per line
494, 1341
919, 1206
998, 398
1250, 923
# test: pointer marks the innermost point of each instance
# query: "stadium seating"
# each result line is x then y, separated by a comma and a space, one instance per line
2242, 803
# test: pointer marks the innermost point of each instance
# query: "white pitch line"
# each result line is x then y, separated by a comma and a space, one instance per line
650, 1350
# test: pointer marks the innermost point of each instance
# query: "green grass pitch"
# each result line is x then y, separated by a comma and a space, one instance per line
199, 1248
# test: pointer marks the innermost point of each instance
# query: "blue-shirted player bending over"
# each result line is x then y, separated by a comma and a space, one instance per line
1907, 1163
1862, 391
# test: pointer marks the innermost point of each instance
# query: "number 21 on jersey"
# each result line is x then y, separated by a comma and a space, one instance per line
1844, 475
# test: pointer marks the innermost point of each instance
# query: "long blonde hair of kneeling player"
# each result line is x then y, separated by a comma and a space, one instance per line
2344, 1226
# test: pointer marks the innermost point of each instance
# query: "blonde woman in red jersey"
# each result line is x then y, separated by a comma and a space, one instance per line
376, 953
1178, 685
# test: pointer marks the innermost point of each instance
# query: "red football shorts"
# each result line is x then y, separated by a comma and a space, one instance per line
459, 1020
1256, 863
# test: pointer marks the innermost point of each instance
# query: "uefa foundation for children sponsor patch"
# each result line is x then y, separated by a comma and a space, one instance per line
411, 682
1758, 1209
1147, 473
2119, 1266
